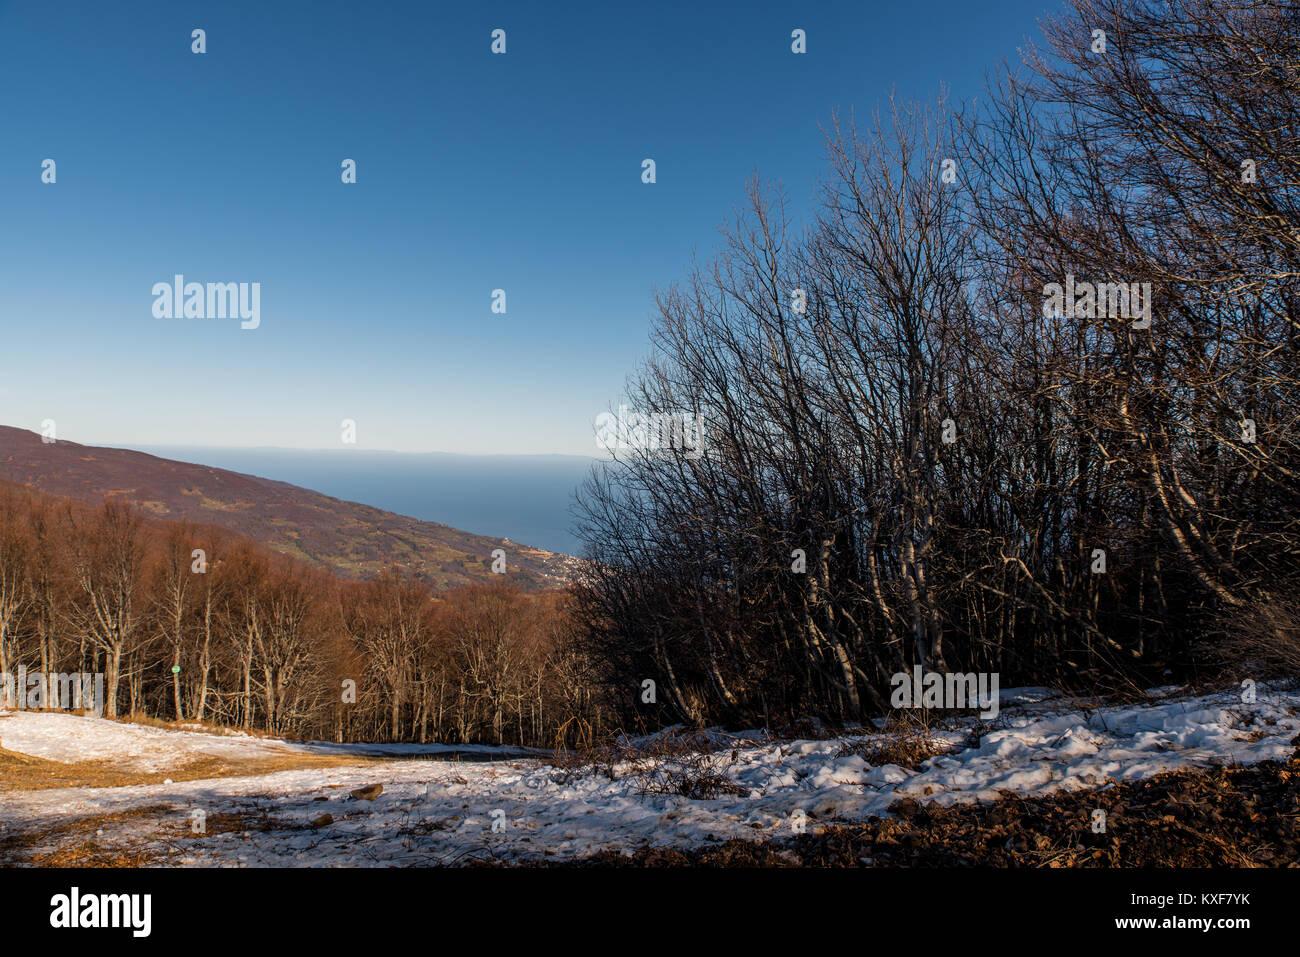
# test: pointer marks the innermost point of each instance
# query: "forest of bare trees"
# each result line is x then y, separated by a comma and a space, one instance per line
1022, 397
192, 624
915, 458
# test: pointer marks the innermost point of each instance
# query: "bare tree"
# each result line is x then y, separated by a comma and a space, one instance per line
107, 560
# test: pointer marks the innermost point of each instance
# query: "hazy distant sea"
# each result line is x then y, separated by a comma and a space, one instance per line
525, 498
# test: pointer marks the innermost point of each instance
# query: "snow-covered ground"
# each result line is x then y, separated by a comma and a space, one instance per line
130, 747
444, 811
143, 748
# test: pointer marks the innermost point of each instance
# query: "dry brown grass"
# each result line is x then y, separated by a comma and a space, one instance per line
190, 726
1266, 636
1217, 818
692, 775
76, 844
907, 740
684, 762
21, 772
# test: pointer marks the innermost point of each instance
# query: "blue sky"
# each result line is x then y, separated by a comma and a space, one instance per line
475, 172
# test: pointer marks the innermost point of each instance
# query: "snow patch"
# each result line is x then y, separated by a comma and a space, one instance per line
441, 811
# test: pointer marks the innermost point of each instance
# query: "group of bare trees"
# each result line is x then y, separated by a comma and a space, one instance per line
913, 458
190, 623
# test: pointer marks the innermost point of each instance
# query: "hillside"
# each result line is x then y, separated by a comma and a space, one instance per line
346, 538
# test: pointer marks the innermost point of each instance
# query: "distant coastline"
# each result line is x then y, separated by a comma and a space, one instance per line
525, 498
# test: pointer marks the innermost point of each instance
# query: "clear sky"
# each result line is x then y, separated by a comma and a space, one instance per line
474, 172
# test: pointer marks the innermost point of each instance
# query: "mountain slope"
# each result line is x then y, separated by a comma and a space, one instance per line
347, 538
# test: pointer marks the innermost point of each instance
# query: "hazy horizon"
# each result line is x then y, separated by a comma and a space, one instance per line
524, 498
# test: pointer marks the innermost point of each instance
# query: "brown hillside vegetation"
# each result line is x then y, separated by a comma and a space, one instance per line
194, 623
344, 538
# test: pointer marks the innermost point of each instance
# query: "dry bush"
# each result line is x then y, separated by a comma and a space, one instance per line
675, 742
693, 775
806, 729
907, 740
686, 763
670, 745
1264, 638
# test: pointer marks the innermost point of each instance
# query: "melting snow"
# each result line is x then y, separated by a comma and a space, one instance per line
441, 811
